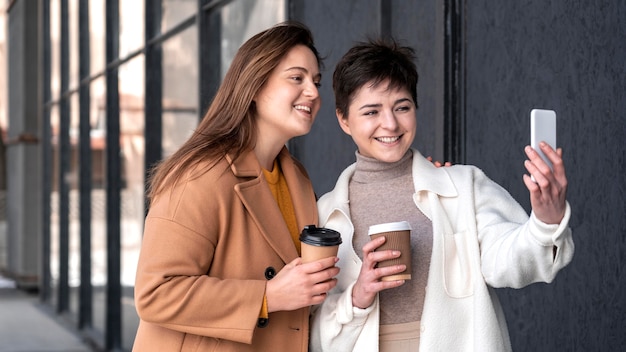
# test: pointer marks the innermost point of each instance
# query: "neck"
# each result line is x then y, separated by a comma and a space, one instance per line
266, 153
370, 170
269, 142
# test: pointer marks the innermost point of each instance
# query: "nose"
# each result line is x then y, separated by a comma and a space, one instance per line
389, 120
311, 90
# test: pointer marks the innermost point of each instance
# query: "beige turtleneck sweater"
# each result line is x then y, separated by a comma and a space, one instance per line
383, 192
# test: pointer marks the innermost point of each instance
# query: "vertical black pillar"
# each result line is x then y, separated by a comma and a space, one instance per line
209, 51
385, 18
454, 75
64, 163
85, 294
113, 333
153, 99
46, 131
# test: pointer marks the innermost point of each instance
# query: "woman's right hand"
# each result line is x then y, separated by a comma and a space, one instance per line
299, 285
368, 284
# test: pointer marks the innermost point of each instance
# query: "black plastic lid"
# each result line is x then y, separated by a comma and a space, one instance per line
320, 236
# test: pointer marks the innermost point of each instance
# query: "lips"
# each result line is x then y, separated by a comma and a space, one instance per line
303, 108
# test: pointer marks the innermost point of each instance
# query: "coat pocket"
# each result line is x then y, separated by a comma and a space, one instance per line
196, 343
457, 270
191, 343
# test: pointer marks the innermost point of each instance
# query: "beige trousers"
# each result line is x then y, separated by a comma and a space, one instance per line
399, 337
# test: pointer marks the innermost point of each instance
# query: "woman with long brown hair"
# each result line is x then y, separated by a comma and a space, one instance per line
219, 268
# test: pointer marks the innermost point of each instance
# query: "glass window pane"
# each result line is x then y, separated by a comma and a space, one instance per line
54, 206
73, 43
180, 89
98, 204
241, 19
131, 26
132, 143
55, 33
176, 11
73, 178
97, 36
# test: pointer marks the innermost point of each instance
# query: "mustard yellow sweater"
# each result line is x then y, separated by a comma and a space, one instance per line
280, 191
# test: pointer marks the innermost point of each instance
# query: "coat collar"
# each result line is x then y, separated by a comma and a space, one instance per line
261, 205
426, 177
246, 165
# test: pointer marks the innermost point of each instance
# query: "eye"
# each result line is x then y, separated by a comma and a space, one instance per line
296, 78
370, 112
403, 108
318, 84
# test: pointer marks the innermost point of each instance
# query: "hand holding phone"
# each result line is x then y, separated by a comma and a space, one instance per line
548, 197
543, 128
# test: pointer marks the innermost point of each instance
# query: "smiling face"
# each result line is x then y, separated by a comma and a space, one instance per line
381, 121
287, 104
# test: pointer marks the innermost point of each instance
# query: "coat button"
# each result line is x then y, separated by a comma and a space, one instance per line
262, 322
270, 272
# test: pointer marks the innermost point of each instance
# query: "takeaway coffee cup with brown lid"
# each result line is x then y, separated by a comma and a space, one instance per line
398, 237
318, 243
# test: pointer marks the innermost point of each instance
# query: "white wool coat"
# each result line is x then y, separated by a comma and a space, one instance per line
482, 239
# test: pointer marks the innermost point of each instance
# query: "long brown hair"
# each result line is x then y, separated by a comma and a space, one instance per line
229, 125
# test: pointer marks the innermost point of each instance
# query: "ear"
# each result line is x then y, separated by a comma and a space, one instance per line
343, 122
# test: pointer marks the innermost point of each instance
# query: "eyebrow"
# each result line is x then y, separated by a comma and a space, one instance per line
369, 106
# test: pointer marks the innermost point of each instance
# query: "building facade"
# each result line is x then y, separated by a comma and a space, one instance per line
98, 91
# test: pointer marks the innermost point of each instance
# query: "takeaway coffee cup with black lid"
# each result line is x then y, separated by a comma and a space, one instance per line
318, 243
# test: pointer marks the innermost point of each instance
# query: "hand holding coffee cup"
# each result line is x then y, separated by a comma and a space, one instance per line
398, 237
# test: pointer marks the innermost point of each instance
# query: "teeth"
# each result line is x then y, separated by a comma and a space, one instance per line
302, 107
387, 139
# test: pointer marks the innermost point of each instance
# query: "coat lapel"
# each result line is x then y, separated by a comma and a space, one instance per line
261, 205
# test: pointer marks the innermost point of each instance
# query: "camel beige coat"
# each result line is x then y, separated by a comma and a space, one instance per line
210, 245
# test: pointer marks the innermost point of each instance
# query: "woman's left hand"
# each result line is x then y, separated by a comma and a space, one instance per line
438, 163
548, 190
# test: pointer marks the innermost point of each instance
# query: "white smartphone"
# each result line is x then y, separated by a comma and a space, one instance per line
543, 128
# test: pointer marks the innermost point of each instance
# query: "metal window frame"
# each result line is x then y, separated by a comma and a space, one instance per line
63, 298
85, 313
113, 320
153, 97
46, 146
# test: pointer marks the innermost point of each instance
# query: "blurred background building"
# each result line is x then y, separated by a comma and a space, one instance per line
94, 92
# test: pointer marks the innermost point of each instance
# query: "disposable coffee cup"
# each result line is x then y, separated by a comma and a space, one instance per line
318, 242
398, 237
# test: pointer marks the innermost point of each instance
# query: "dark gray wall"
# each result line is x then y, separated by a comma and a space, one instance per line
563, 55
569, 56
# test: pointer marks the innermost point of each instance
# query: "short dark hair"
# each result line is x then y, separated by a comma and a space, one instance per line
374, 61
